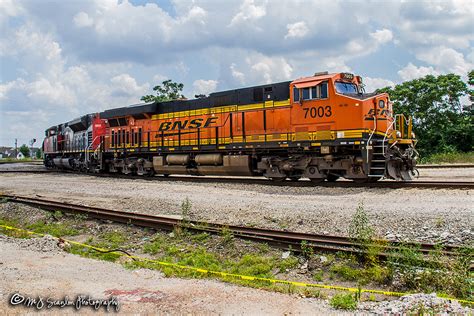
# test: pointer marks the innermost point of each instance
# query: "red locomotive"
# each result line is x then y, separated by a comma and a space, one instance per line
321, 127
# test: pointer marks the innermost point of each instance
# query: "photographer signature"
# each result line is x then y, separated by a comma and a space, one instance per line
78, 302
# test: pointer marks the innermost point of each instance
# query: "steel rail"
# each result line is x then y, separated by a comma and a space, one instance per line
283, 239
262, 181
445, 166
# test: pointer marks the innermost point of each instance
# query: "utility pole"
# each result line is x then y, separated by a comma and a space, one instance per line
31, 147
16, 148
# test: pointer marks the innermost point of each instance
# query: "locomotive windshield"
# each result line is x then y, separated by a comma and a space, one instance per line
345, 87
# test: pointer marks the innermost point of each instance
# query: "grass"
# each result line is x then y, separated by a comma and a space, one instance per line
455, 157
114, 239
343, 301
12, 233
289, 263
318, 276
14, 160
224, 252
54, 229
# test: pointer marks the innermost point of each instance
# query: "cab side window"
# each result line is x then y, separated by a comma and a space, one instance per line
296, 94
306, 94
324, 90
317, 92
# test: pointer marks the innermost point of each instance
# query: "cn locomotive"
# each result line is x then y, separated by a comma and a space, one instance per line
321, 127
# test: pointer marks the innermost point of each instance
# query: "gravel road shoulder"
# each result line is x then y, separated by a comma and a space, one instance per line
37, 269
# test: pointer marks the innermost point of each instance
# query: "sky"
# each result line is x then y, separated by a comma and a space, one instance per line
62, 59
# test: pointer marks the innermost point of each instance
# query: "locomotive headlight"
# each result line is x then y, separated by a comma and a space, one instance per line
413, 135
399, 134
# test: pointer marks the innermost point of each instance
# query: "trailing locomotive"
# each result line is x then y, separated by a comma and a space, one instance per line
321, 127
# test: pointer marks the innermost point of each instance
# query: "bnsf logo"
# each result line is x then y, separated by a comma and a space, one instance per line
187, 124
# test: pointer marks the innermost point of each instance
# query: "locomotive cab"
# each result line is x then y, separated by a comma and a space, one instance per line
360, 125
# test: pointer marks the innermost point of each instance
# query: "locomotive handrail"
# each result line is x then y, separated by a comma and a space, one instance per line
408, 124
86, 149
385, 136
370, 137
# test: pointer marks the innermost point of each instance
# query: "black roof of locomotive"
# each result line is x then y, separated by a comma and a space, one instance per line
255, 94
132, 110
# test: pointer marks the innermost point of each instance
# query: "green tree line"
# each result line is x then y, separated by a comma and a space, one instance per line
442, 124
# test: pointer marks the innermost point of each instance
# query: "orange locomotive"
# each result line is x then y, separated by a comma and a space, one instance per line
321, 127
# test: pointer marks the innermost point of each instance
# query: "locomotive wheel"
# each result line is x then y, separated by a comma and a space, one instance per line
332, 177
150, 173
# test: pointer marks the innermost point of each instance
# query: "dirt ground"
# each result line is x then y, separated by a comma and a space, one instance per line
141, 291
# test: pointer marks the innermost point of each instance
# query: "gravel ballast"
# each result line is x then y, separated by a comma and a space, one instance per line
420, 214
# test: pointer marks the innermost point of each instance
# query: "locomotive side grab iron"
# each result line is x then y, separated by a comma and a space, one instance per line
322, 127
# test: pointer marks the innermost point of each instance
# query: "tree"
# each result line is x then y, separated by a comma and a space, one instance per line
470, 81
169, 91
25, 150
39, 153
440, 122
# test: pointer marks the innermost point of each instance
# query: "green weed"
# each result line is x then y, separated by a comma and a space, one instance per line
288, 263
318, 276
202, 237
343, 301
114, 239
54, 229
345, 272
226, 235
360, 229
186, 209
452, 157
155, 246
90, 253
306, 250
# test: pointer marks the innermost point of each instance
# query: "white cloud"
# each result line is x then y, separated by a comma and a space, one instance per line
248, 11
82, 19
382, 36
297, 30
236, 74
446, 60
410, 72
55, 91
372, 84
268, 70
9, 8
126, 85
158, 79
195, 14
204, 86
51, 92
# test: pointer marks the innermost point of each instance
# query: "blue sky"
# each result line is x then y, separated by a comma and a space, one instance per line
60, 59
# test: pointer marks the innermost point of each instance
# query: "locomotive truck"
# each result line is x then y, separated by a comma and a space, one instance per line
321, 127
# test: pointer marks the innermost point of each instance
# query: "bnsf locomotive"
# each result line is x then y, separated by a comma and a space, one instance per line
322, 127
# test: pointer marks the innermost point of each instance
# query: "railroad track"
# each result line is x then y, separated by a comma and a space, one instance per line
263, 181
453, 166
283, 239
